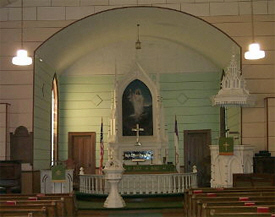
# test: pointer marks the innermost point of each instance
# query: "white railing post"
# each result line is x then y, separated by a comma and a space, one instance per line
195, 172
81, 185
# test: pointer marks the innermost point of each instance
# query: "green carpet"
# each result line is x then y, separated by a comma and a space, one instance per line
86, 205
136, 202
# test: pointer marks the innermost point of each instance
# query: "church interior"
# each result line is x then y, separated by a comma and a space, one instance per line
137, 108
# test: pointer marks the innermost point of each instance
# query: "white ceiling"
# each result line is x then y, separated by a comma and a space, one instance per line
112, 35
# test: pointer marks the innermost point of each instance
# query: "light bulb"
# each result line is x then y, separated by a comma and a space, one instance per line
254, 52
22, 58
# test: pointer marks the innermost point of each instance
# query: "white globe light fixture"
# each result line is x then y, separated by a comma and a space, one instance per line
254, 52
22, 58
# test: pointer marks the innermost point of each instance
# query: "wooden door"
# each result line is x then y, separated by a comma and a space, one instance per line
82, 151
197, 152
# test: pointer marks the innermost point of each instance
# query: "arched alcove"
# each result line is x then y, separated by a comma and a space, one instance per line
184, 52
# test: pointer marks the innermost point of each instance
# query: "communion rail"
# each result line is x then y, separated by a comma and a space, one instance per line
140, 183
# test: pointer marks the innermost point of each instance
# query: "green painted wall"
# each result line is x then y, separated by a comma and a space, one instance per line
42, 115
84, 100
187, 95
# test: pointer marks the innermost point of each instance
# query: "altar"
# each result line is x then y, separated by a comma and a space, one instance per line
150, 169
138, 138
137, 134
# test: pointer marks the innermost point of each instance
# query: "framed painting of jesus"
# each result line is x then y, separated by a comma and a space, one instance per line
137, 109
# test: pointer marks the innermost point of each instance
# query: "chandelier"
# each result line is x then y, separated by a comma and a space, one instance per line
233, 90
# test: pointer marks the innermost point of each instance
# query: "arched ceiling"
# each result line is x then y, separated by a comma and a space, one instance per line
117, 28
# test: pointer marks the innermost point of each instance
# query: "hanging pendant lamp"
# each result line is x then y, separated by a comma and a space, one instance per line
254, 52
22, 59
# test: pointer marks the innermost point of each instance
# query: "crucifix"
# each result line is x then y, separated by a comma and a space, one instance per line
138, 129
226, 145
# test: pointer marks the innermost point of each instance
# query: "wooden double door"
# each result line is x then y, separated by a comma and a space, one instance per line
82, 151
197, 152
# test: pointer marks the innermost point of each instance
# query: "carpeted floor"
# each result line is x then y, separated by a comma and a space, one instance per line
135, 202
84, 205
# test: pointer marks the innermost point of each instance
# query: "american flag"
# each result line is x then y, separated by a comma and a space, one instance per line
176, 144
101, 148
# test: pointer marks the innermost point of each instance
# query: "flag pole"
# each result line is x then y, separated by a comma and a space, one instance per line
101, 147
176, 144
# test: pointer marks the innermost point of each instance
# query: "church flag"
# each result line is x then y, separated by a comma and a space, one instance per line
226, 146
58, 173
101, 148
176, 144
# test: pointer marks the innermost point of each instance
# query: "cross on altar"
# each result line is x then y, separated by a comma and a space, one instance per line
226, 145
138, 129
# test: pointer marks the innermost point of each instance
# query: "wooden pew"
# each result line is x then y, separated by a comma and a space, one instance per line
192, 196
37, 212
232, 199
202, 202
245, 214
210, 211
192, 200
51, 209
60, 206
226, 196
189, 192
69, 200
207, 204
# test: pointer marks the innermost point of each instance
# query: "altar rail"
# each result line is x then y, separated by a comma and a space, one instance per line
140, 183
